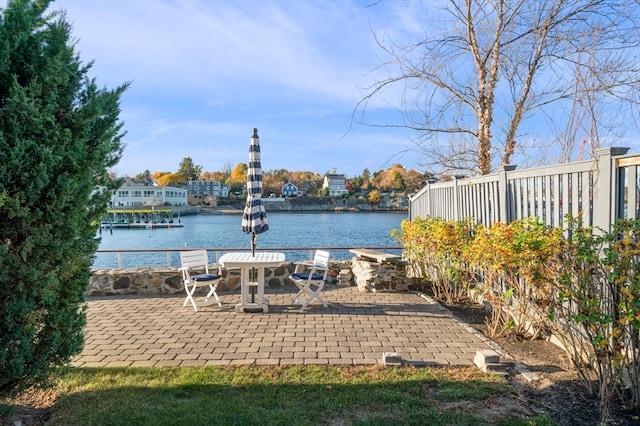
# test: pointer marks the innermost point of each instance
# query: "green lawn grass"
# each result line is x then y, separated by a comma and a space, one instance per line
295, 395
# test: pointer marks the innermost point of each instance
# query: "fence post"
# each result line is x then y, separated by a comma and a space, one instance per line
456, 204
427, 203
605, 196
505, 198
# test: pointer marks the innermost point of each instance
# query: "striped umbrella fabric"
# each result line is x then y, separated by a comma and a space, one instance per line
254, 217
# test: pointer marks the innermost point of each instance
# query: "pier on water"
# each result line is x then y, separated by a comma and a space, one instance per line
141, 217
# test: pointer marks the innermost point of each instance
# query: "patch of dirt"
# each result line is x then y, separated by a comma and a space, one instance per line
557, 390
31, 408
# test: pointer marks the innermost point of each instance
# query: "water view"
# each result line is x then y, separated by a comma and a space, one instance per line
288, 230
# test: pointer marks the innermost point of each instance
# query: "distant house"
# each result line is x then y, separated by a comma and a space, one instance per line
289, 190
336, 184
199, 190
307, 187
139, 195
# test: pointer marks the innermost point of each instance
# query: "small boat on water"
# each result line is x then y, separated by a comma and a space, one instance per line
142, 217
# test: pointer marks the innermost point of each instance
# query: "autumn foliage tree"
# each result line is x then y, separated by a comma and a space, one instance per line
238, 177
157, 175
219, 176
169, 178
59, 134
374, 197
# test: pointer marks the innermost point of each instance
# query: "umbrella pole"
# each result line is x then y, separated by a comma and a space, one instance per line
253, 244
253, 270
252, 289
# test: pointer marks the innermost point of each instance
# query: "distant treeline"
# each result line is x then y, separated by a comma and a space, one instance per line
394, 178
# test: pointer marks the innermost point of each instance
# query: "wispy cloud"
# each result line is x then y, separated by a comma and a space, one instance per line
205, 72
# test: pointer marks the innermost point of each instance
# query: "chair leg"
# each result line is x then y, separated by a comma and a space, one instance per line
213, 292
189, 297
307, 302
311, 296
296, 298
301, 292
321, 300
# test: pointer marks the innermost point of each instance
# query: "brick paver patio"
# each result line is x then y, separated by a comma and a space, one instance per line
356, 328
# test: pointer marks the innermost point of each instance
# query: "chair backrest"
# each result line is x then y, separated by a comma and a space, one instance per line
195, 259
321, 259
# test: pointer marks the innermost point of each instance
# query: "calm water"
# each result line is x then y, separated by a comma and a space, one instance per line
223, 231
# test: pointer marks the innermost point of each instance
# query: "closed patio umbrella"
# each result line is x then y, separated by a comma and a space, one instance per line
254, 217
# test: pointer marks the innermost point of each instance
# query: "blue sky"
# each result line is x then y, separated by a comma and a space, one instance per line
204, 73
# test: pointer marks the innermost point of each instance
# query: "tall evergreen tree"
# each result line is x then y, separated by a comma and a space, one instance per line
59, 134
189, 170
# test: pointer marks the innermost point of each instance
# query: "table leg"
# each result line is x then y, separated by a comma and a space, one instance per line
245, 278
243, 289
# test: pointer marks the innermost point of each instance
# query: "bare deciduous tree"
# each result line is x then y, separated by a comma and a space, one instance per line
502, 75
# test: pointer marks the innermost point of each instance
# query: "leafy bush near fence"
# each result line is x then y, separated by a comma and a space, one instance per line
586, 289
514, 260
597, 309
506, 264
435, 250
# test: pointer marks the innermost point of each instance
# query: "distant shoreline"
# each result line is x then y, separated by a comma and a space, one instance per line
228, 210
219, 210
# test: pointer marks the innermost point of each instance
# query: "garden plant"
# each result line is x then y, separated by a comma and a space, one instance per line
59, 134
581, 284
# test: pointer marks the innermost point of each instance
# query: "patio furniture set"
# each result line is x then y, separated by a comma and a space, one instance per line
308, 276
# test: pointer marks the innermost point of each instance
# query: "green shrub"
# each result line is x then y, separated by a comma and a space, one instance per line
435, 250
586, 289
514, 259
58, 135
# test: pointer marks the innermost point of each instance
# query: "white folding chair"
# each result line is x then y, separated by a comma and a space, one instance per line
198, 260
310, 277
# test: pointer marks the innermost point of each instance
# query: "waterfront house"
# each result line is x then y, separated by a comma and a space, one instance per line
200, 190
308, 187
336, 184
139, 195
289, 190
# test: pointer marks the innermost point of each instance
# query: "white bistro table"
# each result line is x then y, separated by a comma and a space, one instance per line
246, 262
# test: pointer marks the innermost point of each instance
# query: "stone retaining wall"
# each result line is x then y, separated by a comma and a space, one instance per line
371, 275
153, 281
